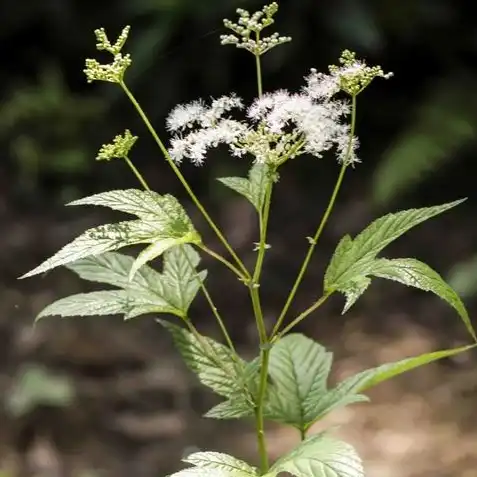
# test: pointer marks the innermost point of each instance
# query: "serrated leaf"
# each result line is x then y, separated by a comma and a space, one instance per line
107, 302
356, 258
158, 248
213, 363
299, 369
353, 290
414, 273
320, 456
169, 292
113, 268
371, 377
146, 205
253, 188
237, 407
98, 240
217, 460
162, 219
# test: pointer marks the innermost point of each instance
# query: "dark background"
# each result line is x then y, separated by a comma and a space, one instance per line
68, 406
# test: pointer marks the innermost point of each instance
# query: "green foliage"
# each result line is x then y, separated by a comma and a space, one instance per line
162, 223
253, 188
147, 292
320, 456
355, 259
216, 464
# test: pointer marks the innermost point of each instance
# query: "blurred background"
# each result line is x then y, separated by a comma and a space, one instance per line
103, 397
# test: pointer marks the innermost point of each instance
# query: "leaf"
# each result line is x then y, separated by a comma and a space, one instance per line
113, 268
213, 363
254, 187
167, 220
146, 205
220, 461
413, 273
157, 249
107, 302
371, 377
237, 407
299, 369
355, 258
216, 464
354, 289
320, 456
149, 292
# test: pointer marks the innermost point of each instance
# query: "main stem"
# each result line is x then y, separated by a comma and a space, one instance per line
183, 181
321, 226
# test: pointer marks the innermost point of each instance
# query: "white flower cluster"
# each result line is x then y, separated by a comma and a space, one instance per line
278, 126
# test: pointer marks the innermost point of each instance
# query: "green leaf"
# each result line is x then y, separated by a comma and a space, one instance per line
320, 456
113, 268
299, 369
355, 257
216, 464
254, 187
413, 273
149, 292
220, 461
162, 219
354, 289
107, 302
146, 205
236, 407
158, 248
213, 363
371, 377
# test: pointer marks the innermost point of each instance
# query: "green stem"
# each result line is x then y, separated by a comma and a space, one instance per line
264, 215
182, 179
137, 173
229, 265
301, 317
321, 226
258, 68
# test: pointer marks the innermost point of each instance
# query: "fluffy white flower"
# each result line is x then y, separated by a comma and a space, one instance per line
185, 116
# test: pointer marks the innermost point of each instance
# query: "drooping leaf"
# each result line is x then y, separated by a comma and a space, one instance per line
356, 257
161, 220
148, 292
353, 290
299, 369
320, 456
157, 249
113, 268
216, 464
212, 362
413, 273
108, 302
253, 188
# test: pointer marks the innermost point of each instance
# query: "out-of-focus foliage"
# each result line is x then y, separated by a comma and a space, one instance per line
36, 386
44, 126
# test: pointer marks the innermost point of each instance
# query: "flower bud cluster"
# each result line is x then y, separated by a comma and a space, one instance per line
248, 28
112, 72
118, 149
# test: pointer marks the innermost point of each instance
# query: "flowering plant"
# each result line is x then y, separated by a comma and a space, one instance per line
287, 381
